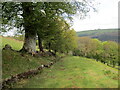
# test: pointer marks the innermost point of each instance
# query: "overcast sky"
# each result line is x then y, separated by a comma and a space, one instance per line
106, 17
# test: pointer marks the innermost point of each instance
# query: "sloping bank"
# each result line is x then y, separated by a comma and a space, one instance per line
73, 72
15, 78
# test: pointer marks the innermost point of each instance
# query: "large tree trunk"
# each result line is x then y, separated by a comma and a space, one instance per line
40, 43
29, 42
30, 29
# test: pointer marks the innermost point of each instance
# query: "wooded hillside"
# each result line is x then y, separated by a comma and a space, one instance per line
101, 34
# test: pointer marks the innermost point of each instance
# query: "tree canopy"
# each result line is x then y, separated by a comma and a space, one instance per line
105, 52
42, 19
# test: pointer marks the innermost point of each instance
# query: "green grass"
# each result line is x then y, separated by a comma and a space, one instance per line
15, 44
69, 72
74, 72
13, 63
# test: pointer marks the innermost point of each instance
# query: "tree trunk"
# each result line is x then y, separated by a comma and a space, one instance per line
118, 63
55, 51
30, 29
113, 64
40, 43
29, 42
49, 45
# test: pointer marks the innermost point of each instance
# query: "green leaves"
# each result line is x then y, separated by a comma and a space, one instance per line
106, 52
46, 19
14, 12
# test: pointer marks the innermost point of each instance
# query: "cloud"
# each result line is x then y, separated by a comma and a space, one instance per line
106, 17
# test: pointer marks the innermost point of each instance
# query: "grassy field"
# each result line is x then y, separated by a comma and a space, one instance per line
74, 72
16, 45
69, 72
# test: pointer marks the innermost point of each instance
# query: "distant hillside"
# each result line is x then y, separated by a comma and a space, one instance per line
101, 34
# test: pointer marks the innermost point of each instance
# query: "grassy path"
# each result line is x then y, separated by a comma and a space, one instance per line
74, 72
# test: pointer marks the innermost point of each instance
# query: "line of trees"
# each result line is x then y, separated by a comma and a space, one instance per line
45, 20
105, 52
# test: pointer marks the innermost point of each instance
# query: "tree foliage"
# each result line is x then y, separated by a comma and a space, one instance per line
41, 18
105, 52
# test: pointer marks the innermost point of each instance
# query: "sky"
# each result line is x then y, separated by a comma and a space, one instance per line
106, 17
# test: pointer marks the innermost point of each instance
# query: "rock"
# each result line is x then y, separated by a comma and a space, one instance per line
39, 68
7, 46
48, 66
42, 66
51, 63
